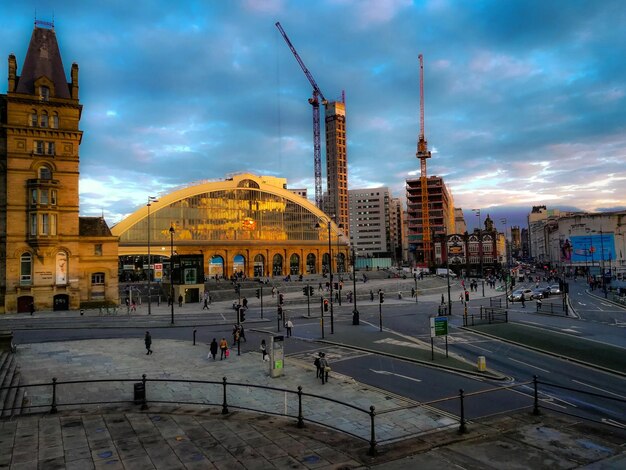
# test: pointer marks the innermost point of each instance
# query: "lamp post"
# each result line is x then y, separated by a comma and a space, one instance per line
355, 312
172, 269
151, 200
448, 276
330, 271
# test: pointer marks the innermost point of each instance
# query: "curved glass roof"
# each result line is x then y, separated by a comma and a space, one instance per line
243, 209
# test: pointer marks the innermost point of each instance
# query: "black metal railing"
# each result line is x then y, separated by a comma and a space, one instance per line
487, 315
300, 413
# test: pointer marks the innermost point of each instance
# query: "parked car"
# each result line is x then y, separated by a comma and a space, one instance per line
555, 289
516, 295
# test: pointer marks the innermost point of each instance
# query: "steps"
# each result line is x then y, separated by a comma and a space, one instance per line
10, 399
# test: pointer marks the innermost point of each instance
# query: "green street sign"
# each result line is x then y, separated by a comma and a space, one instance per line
438, 326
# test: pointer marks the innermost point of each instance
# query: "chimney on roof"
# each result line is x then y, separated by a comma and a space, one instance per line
74, 82
12, 73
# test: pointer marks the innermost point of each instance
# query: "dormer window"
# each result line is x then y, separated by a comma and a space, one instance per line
44, 93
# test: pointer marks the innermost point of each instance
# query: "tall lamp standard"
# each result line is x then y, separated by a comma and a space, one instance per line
172, 269
330, 271
480, 241
151, 200
355, 312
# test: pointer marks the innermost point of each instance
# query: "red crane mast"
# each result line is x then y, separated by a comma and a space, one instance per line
314, 102
423, 154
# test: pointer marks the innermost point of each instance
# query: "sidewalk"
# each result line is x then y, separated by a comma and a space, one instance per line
171, 437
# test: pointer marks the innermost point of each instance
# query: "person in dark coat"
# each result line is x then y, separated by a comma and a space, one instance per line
148, 340
213, 348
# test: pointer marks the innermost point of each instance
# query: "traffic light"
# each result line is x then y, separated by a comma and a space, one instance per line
326, 305
305, 291
310, 290
336, 286
242, 315
381, 297
280, 312
258, 293
281, 299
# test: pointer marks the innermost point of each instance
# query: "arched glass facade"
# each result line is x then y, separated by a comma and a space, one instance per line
254, 226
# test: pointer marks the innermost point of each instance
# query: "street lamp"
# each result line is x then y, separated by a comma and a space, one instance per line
355, 312
330, 270
172, 269
151, 200
445, 239
480, 241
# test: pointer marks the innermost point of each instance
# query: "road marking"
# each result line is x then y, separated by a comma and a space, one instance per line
386, 372
598, 388
478, 347
397, 342
530, 365
620, 324
612, 422
570, 330
531, 323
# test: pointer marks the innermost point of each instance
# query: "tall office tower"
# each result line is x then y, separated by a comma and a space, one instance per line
50, 259
459, 221
369, 222
337, 164
440, 208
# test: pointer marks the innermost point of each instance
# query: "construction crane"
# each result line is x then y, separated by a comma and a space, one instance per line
314, 101
423, 154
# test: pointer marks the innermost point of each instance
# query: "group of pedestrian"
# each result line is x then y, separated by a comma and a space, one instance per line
322, 367
238, 333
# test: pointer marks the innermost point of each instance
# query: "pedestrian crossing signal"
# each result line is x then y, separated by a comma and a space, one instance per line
326, 305
381, 297
258, 293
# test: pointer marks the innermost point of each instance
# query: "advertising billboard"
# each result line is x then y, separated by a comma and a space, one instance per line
588, 248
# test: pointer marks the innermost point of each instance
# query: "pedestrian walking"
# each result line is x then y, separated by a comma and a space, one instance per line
523, 300
148, 341
289, 326
206, 303
133, 306
213, 348
180, 300
242, 334
263, 349
245, 303
324, 368
371, 295
32, 308
223, 349
317, 365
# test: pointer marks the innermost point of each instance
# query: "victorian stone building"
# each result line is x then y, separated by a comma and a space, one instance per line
50, 258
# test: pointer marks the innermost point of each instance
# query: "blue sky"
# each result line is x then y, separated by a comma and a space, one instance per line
525, 100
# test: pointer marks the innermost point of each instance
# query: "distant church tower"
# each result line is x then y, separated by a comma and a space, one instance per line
50, 259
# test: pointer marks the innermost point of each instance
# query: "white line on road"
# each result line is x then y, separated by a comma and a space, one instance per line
612, 422
478, 347
530, 365
386, 372
531, 322
598, 388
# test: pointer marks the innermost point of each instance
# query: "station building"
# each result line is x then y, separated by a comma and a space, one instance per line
246, 225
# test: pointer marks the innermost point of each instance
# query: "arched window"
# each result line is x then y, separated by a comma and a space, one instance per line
34, 119
26, 268
54, 121
44, 119
45, 173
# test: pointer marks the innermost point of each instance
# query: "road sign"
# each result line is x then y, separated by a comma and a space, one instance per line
438, 326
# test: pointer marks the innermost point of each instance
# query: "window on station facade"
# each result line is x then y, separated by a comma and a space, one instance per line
44, 119
26, 268
97, 279
54, 123
97, 249
34, 119
44, 93
45, 173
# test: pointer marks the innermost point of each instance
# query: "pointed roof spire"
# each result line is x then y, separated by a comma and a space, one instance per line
43, 59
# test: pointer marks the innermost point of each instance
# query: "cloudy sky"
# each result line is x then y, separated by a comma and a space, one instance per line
525, 100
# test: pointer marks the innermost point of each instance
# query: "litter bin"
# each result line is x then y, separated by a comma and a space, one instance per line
139, 393
482, 364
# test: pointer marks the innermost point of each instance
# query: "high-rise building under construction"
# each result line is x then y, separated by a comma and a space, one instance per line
336, 164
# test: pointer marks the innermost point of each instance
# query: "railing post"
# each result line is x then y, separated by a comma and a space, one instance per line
462, 426
53, 405
194, 336
372, 450
300, 417
536, 411
224, 404
144, 401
